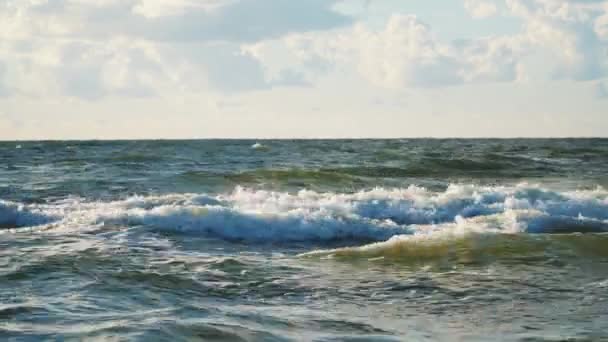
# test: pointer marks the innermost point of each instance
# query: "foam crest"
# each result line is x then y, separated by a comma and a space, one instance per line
16, 215
473, 240
373, 215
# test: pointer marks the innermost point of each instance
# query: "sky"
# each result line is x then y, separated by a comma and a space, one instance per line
138, 69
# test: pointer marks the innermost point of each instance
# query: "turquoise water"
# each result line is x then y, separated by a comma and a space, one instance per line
358, 240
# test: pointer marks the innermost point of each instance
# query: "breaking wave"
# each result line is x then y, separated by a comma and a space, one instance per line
16, 215
388, 216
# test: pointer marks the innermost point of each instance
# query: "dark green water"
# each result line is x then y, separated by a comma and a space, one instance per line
356, 240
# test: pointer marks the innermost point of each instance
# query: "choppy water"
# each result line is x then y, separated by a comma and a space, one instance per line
360, 240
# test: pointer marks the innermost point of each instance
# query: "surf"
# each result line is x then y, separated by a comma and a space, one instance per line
372, 215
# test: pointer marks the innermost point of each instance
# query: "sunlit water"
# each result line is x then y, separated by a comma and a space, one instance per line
386, 240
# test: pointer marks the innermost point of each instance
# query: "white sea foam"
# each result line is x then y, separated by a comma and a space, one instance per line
376, 215
15, 215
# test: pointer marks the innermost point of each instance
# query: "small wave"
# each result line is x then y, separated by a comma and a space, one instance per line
371, 215
302, 177
259, 146
208, 332
8, 312
471, 241
432, 167
560, 152
16, 215
135, 158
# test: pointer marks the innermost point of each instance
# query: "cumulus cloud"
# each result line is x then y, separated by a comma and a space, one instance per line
568, 31
96, 48
85, 69
601, 24
480, 8
404, 53
162, 8
170, 20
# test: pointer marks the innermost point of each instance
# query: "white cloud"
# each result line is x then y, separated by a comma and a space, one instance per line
161, 8
167, 20
404, 53
601, 24
92, 49
480, 8
564, 30
87, 69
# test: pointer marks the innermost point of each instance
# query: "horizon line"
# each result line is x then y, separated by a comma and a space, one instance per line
308, 138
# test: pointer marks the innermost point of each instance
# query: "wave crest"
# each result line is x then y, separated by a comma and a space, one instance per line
16, 215
373, 215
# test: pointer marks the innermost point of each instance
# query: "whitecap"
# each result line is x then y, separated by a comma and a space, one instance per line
17, 215
373, 215
259, 146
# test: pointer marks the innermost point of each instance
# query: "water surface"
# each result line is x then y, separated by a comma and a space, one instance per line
334, 240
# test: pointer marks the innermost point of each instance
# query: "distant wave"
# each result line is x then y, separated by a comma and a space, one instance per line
379, 214
427, 167
259, 146
471, 245
135, 158
357, 176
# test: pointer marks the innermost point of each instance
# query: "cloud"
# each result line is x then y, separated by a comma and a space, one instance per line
162, 8
171, 20
569, 31
86, 69
92, 49
601, 24
96, 48
241, 21
404, 53
480, 9
228, 69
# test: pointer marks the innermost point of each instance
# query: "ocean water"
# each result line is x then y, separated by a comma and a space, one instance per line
336, 240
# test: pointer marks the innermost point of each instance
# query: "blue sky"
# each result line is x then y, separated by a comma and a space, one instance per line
81, 69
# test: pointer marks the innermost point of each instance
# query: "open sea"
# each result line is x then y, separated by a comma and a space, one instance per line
307, 240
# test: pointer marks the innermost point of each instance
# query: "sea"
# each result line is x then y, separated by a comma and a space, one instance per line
304, 240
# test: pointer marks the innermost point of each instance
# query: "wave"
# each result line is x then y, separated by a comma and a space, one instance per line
17, 215
373, 215
297, 177
477, 241
486, 166
294, 176
259, 146
345, 177
135, 158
